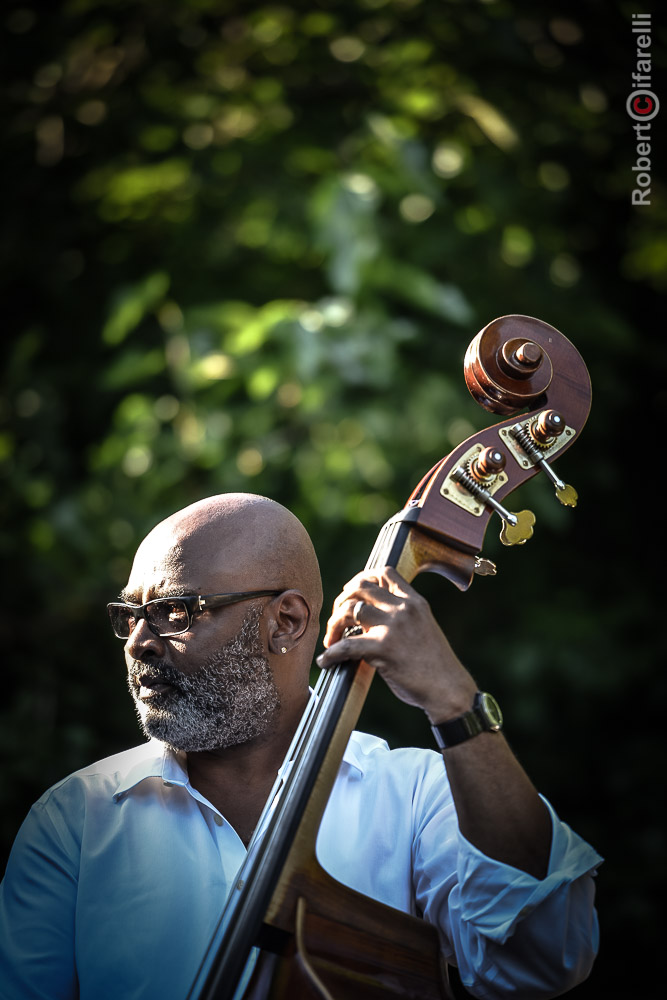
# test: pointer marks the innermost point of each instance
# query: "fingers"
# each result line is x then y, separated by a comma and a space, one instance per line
374, 586
385, 590
368, 600
353, 613
358, 647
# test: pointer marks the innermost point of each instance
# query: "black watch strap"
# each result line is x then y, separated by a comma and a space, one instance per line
485, 716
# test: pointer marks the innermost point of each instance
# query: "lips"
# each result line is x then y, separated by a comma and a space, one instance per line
152, 690
149, 686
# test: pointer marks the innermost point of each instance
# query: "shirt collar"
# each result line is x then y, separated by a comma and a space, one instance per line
153, 760
156, 760
353, 755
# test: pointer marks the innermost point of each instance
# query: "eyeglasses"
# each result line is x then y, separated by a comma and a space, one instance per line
172, 615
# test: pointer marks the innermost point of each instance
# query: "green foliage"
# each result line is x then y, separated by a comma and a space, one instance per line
245, 248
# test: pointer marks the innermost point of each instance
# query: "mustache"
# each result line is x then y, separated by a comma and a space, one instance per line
154, 673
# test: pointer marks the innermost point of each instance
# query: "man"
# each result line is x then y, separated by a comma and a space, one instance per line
119, 873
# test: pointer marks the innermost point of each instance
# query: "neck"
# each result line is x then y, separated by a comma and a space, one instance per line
237, 780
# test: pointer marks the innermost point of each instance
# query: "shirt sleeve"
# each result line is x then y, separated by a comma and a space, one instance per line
37, 908
510, 934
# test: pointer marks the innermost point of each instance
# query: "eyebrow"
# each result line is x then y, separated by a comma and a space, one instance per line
127, 597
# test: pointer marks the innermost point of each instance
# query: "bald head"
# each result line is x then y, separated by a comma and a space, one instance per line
233, 542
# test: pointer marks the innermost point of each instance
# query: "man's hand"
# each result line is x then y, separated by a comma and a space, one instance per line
402, 640
498, 809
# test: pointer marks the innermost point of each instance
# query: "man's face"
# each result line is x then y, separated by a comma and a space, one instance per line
226, 698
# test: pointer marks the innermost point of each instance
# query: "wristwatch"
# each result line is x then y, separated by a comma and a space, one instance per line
485, 716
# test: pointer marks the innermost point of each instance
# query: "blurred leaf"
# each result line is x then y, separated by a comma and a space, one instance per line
131, 304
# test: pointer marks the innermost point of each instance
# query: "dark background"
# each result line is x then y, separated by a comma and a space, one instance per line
245, 248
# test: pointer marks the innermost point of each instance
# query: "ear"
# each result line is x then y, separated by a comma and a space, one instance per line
287, 617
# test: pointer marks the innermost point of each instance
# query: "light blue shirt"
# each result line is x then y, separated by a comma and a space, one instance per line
119, 874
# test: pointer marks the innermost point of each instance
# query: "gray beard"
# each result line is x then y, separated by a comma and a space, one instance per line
231, 699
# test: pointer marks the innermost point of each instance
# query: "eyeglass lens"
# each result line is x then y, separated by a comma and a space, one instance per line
168, 616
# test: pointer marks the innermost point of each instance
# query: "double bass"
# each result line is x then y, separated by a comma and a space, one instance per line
288, 929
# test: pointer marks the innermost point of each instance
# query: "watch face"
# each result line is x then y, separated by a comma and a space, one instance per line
491, 710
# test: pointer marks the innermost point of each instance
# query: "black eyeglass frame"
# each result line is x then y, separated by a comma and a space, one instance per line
194, 605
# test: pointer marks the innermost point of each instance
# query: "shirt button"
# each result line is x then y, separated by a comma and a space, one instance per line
218, 819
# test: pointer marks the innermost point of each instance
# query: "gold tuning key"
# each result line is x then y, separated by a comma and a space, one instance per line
521, 531
567, 495
484, 567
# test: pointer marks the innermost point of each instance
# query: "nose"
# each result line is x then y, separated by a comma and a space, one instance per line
142, 643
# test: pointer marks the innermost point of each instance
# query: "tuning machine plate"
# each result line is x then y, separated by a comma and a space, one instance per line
547, 450
453, 491
531, 446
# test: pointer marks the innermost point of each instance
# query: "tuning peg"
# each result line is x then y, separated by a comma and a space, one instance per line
547, 426
488, 464
543, 431
517, 528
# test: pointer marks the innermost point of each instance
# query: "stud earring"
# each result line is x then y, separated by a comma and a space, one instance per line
283, 649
